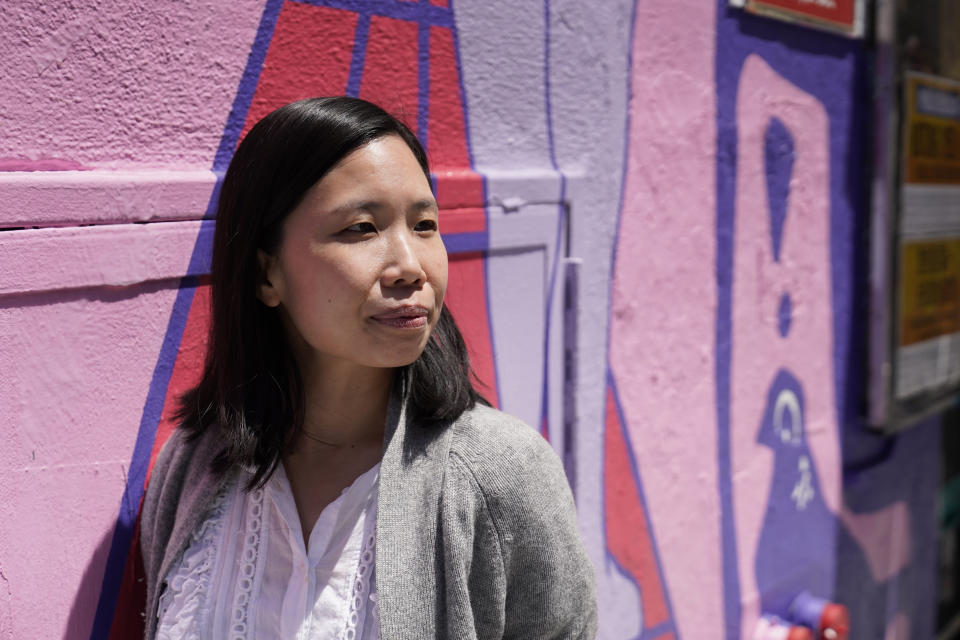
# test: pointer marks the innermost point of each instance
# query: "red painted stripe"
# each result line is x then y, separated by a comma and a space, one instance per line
463, 221
467, 299
459, 188
628, 532
187, 369
309, 56
441, 3
447, 142
390, 68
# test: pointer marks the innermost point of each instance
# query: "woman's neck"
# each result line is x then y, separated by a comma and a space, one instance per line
345, 406
342, 436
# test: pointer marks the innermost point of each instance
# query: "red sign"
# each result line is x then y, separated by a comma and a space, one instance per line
834, 13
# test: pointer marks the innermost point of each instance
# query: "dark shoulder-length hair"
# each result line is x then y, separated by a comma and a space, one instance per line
251, 391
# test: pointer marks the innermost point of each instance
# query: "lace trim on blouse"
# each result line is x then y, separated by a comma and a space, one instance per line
188, 584
195, 589
362, 583
239, 623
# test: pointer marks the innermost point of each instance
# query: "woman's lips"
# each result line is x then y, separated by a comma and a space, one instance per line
412, 317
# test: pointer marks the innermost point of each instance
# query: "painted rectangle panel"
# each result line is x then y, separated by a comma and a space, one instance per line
61, 198
34, 260
519, 324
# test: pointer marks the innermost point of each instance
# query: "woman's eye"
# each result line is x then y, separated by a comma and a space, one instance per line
361, 227
426, 225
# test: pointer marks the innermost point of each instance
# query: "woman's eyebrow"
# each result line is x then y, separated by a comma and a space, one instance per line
373, 206
427, 204
369, 206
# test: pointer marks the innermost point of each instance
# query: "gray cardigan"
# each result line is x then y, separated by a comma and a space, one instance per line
476, 530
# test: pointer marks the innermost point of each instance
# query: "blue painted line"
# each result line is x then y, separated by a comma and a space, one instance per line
421, 12
571, 327
211, 212
248, 85
725, 186
156, 395
635, 472
202, 250
360, 37
465, 242
625, 152
657, 632
546, 85
611, 384
722, 347
423, 83
561, 221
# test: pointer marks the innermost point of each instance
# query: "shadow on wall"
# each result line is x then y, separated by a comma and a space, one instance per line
84, 604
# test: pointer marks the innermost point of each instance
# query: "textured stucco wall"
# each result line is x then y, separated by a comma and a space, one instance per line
665, 197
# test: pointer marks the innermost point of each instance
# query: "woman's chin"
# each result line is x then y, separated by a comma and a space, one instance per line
397, 358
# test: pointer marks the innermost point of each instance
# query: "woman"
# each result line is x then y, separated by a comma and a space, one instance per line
335, 474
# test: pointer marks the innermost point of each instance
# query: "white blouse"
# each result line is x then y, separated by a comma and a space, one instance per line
247, 573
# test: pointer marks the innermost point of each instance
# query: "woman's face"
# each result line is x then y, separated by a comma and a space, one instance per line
361, 270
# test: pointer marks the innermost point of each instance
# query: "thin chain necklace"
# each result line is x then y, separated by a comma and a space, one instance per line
316, 438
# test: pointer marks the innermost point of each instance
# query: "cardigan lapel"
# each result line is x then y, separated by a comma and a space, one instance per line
409, 572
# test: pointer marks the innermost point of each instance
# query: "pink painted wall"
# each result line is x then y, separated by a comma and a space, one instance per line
111, 114
684, 178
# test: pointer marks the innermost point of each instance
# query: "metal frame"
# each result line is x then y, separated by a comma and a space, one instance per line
859, 17
885, 412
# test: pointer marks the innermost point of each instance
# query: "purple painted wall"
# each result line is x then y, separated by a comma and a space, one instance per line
666, 197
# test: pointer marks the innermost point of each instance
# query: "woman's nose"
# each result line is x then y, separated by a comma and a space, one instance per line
403, 266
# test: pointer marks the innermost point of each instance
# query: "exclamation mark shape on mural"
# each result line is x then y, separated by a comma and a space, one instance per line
785, 562
778, 157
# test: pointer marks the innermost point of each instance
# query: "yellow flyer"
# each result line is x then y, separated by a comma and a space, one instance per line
929, 290
931, 145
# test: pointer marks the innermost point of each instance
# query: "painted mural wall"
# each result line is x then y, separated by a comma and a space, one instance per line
655, 214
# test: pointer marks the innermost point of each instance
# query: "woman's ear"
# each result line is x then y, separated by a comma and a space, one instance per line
266, 290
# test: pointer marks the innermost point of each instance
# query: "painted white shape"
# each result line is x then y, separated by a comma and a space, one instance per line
517, 294
518, 279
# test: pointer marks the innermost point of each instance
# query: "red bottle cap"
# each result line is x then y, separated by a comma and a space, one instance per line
834, 622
